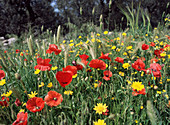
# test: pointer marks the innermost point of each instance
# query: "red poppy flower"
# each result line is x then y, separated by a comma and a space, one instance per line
155, 69
25, 60
73, 69
138, 65
64, 77
154, 60
79, 67
84, 62
84, 57
168, 37
158, 52
35, 104
96, 63
17, 102
21, 119
53, 98
119, 60
155, 66
135, 93
43, 64
5, 101
5, 51
105, 56
53, 48
106, 113
17, 50
152, 44
142, 58
167, 45
107, 75
145, 47
2, 74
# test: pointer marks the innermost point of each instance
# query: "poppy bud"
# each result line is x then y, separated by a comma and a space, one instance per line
111, 116
86, 79
17, 102
155, 87
74, 63
147, 71
17, 76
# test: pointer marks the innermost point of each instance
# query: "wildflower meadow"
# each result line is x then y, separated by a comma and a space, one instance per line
99, 78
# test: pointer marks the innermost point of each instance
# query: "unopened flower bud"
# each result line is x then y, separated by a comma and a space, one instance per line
17, 76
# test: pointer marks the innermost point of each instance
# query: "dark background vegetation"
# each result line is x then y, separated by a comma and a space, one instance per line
18, 16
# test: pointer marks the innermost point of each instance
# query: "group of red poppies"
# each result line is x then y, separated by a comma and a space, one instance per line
65, 76
36, 104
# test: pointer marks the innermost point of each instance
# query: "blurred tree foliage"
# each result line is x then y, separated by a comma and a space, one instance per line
109, 9
18, 16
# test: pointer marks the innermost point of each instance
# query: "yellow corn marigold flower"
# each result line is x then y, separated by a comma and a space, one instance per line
68, 92
98, 34
123, 34
115, 67
142, 73
163, 54
54, 68
154, 78
33, 94
126, 65
22, 110
166, 95
99, 122
121, 73
137, 86
95, 85
71, 44
118, 50
146, 34
168, 80
136, 121
122, 44
113, 98
7, 94
156, 37
158, 92
141, 107
93, 40
129, 47
37, 71
2, 82
113, 47
161, 43
80, 37
99, 41
41, 85
74, 76
129, 81
169, 56
24, 104
64, 41
118, 38
50, 85
125, 53
100, 108
71, 41
105, 32
87, 41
